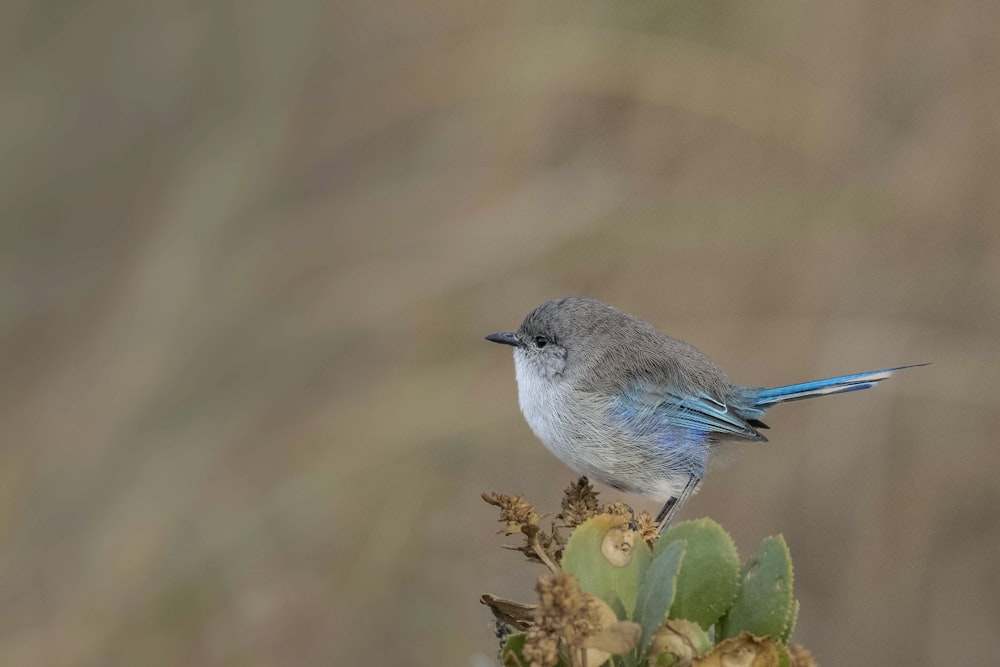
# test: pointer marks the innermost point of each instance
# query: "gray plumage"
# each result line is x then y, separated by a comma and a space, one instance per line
627, 405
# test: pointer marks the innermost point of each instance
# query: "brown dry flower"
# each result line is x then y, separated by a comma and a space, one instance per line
579, 503
565, 613
647, 527
584, 623
521, 517
800, 656
541, 648
744, 650
564, 610
518, 513
618, 508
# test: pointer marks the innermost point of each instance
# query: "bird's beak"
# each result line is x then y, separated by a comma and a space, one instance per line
505, 338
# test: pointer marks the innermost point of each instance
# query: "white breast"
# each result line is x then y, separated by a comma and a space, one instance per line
542, 401
567, 422
576, 427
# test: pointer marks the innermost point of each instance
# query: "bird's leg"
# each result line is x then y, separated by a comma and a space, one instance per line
673, 506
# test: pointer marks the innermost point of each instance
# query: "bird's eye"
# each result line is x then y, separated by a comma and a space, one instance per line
541, 341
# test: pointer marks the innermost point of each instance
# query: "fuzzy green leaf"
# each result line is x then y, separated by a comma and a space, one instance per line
709, 580
512, 653
793, 618
699, 639
656, 591
763, 606
615, 583
784, 660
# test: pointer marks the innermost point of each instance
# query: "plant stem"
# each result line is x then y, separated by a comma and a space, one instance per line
542, 555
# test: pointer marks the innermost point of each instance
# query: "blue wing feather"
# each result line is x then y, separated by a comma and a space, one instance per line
699, 417
682, 423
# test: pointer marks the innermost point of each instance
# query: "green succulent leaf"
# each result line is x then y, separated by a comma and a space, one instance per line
784, 660
763, 606
793, 618
513, 651
656, 591
597, 570
709, 580
700, 640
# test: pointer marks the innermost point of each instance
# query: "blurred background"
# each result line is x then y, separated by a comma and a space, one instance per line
248, 253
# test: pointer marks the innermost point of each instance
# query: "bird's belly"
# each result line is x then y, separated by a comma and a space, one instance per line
581, 430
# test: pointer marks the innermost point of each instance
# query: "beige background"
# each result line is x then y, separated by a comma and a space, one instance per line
248, 253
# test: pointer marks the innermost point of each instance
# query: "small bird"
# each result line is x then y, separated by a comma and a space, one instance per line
627, 405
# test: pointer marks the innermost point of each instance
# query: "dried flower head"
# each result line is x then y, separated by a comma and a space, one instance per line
566, 611
518, 513
618, 508
800, 656
647, 527
541, 648
579, 503
520, 517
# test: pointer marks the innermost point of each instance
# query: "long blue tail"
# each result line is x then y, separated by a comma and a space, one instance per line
766, 398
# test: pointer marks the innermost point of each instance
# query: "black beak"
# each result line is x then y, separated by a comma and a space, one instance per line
505, 338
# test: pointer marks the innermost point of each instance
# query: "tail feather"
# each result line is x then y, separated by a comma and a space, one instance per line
767, 398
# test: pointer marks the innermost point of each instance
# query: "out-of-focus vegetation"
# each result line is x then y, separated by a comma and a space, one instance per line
248, 253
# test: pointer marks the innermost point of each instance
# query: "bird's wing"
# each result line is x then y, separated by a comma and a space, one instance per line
650, 404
